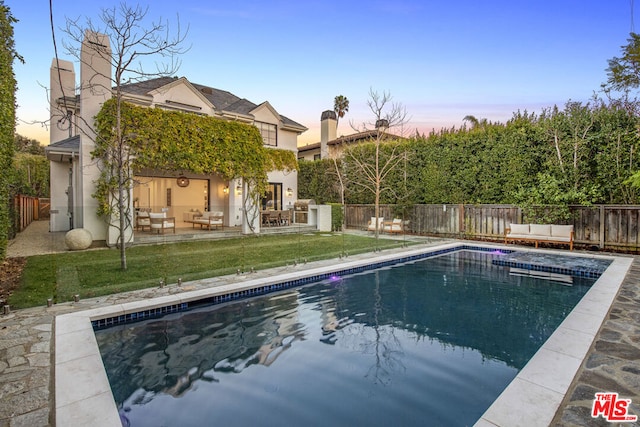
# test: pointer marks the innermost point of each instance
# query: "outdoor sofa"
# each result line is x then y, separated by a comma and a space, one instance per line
209, 219
545, 233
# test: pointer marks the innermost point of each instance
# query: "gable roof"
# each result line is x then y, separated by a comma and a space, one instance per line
182, 82
223, 101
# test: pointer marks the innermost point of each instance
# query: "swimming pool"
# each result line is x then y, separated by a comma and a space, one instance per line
436, 340
83, 395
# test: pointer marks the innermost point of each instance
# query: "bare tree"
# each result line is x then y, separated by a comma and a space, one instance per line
131, 41
373, 171
569, 131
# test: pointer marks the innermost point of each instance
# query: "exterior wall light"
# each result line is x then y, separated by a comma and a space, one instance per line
239, 190
225, 190
289, 192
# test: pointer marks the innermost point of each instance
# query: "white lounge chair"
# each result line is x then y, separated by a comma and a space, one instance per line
372, 224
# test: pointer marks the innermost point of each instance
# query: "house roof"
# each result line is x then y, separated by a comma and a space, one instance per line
64, 149
222, 100
358, 137
69, 145
348, 139
308, 147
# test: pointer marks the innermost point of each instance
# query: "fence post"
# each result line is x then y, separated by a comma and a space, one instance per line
602, 227
26, 211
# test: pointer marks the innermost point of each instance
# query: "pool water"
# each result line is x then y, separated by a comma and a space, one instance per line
432, 342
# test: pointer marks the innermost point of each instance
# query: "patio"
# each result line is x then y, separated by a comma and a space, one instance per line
186, 234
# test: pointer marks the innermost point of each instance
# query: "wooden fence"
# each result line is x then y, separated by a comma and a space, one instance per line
605, 227
27, 210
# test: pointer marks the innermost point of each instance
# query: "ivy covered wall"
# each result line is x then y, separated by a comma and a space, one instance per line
178, 141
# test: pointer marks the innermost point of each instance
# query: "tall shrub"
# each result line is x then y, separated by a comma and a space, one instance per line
317, 180
31, 175
7, 120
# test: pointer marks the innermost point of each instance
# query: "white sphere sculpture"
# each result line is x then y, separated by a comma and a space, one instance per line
78, 239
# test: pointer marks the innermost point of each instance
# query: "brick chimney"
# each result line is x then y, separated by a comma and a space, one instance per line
328, 130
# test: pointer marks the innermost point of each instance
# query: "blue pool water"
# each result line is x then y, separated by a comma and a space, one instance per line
432, 342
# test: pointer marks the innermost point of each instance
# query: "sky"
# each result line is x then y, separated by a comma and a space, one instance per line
441, 60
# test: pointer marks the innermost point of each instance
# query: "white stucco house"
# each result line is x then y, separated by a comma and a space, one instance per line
75, 102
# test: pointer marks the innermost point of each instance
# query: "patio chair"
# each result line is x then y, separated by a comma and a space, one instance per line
142, 220
160, 222
394, 226
275, 218
372, 224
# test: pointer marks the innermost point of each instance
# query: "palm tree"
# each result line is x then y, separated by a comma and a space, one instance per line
340, 106
471, 119
475, 123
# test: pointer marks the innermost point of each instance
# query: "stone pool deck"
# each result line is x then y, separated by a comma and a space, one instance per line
613, 363
27, 348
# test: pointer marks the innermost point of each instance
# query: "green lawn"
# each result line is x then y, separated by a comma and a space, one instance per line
97, 272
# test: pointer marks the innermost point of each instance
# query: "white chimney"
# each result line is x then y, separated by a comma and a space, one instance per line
62, 94
95, 89
328, 131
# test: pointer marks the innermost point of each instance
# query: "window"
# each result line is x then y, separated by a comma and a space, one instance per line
269, 133
273, 199
316, 157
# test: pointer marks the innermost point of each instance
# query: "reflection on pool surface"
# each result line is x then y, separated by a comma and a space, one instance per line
433, 340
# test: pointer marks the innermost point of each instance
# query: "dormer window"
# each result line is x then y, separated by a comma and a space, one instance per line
269, 133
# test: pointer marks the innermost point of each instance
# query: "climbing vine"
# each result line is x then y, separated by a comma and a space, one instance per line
178, 141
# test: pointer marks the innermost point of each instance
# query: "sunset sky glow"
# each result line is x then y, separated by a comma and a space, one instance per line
441, 60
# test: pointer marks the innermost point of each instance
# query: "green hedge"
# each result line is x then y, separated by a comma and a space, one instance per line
588, 151
7, 121
337, 216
